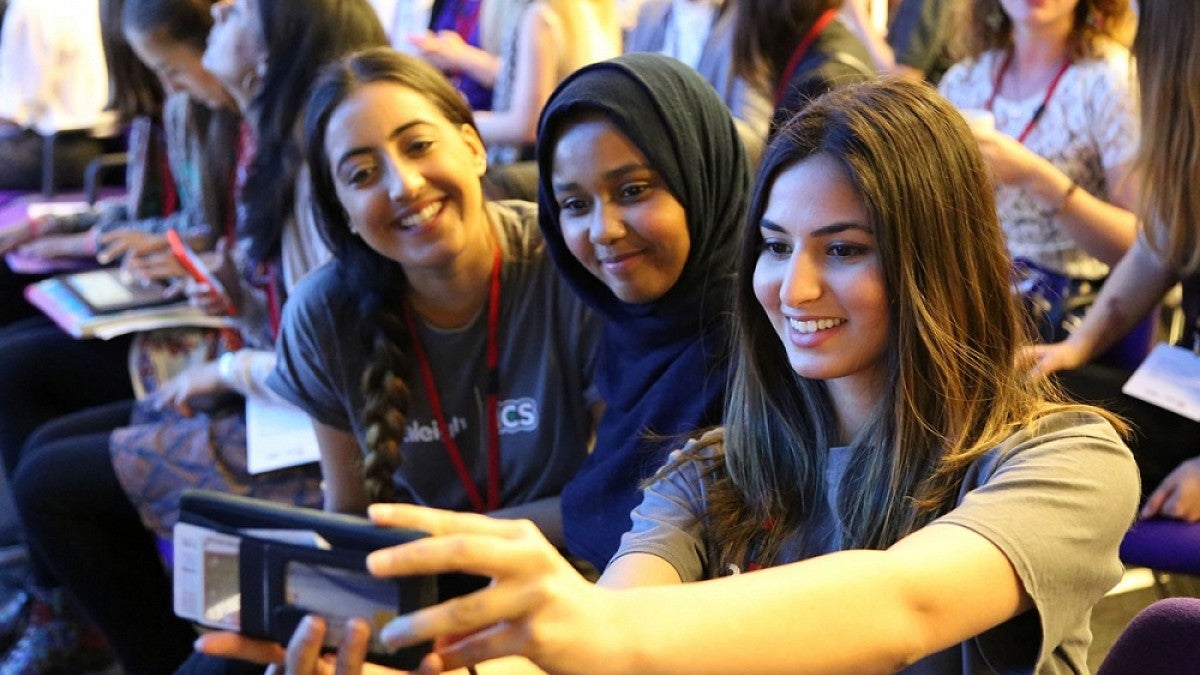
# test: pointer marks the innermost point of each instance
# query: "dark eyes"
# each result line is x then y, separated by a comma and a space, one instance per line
845, 250
627, 193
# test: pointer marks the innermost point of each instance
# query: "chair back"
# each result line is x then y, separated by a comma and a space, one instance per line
1163, 639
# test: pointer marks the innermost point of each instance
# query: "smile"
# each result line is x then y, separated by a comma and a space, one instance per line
422, 216
813, 326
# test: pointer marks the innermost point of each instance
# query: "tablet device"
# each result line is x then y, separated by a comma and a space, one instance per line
105, 291
257, 567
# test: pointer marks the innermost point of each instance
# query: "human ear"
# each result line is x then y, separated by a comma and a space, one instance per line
475, 144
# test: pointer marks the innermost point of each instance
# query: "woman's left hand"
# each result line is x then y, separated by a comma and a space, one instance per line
303, 654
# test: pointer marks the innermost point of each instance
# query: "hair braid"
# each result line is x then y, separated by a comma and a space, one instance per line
385, 390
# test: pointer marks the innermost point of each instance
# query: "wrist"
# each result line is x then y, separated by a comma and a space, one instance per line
1063, 200
227, 368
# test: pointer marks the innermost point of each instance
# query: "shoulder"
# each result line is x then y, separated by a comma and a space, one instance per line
321, 296
1071, 430
1111, 68
516, 225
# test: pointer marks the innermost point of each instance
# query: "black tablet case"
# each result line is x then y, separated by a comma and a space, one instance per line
263, 562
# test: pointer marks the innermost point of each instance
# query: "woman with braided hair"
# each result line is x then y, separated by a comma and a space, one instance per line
441, 357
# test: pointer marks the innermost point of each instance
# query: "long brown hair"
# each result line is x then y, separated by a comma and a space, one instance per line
1168, 60
953, 336
985, 26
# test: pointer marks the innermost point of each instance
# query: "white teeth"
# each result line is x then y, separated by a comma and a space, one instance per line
420, 217
804, 327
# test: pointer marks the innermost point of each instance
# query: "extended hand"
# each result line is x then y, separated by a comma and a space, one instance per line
1178, 496
1042, 360
537, 605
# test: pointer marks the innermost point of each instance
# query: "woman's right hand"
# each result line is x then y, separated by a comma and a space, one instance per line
537, 605
1045, 359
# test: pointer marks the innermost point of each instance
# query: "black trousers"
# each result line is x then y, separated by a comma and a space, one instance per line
45, 374
1160, 440
84, 534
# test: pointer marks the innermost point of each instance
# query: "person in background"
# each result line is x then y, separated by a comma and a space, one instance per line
95, 488
1166, 445
917, 41
52, 81
798, 49
1058, 124
700, 33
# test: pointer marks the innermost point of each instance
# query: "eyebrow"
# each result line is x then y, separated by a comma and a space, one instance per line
611, 174
398, 131
825, 230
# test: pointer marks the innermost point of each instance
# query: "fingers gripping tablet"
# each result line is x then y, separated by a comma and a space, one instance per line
258, 567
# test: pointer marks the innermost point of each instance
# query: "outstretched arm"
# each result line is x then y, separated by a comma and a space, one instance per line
931, 590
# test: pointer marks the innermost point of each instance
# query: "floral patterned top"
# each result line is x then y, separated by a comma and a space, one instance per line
1090, 125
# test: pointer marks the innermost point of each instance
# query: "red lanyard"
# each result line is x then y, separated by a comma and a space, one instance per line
802, 49
493, 391
1037, 113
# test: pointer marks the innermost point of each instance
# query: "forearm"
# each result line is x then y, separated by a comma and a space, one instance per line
545, 513
1132, 290
1103, 230
479, 65
824, 610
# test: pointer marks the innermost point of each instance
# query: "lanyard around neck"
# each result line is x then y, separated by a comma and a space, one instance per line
1037, 113
491, 404
802, 48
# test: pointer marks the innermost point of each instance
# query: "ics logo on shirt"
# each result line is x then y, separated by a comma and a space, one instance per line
518, 414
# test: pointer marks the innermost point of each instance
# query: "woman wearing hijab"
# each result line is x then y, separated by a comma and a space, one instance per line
643, 189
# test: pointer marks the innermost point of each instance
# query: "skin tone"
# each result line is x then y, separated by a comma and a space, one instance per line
819, 280
618, 218
935, 588
179, 67
858, 15
1102, 229
236, 49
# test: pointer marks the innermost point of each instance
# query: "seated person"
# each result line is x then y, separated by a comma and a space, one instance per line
878, 468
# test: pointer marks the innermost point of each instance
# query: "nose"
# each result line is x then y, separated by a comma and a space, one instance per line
606, 226
406, 181
802, 281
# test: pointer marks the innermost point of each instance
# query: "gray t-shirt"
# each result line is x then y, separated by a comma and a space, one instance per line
547, 342
1056, 502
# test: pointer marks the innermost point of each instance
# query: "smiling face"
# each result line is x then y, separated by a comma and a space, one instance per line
178, 67
617, 216
407, 177
819, 278
236, 46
